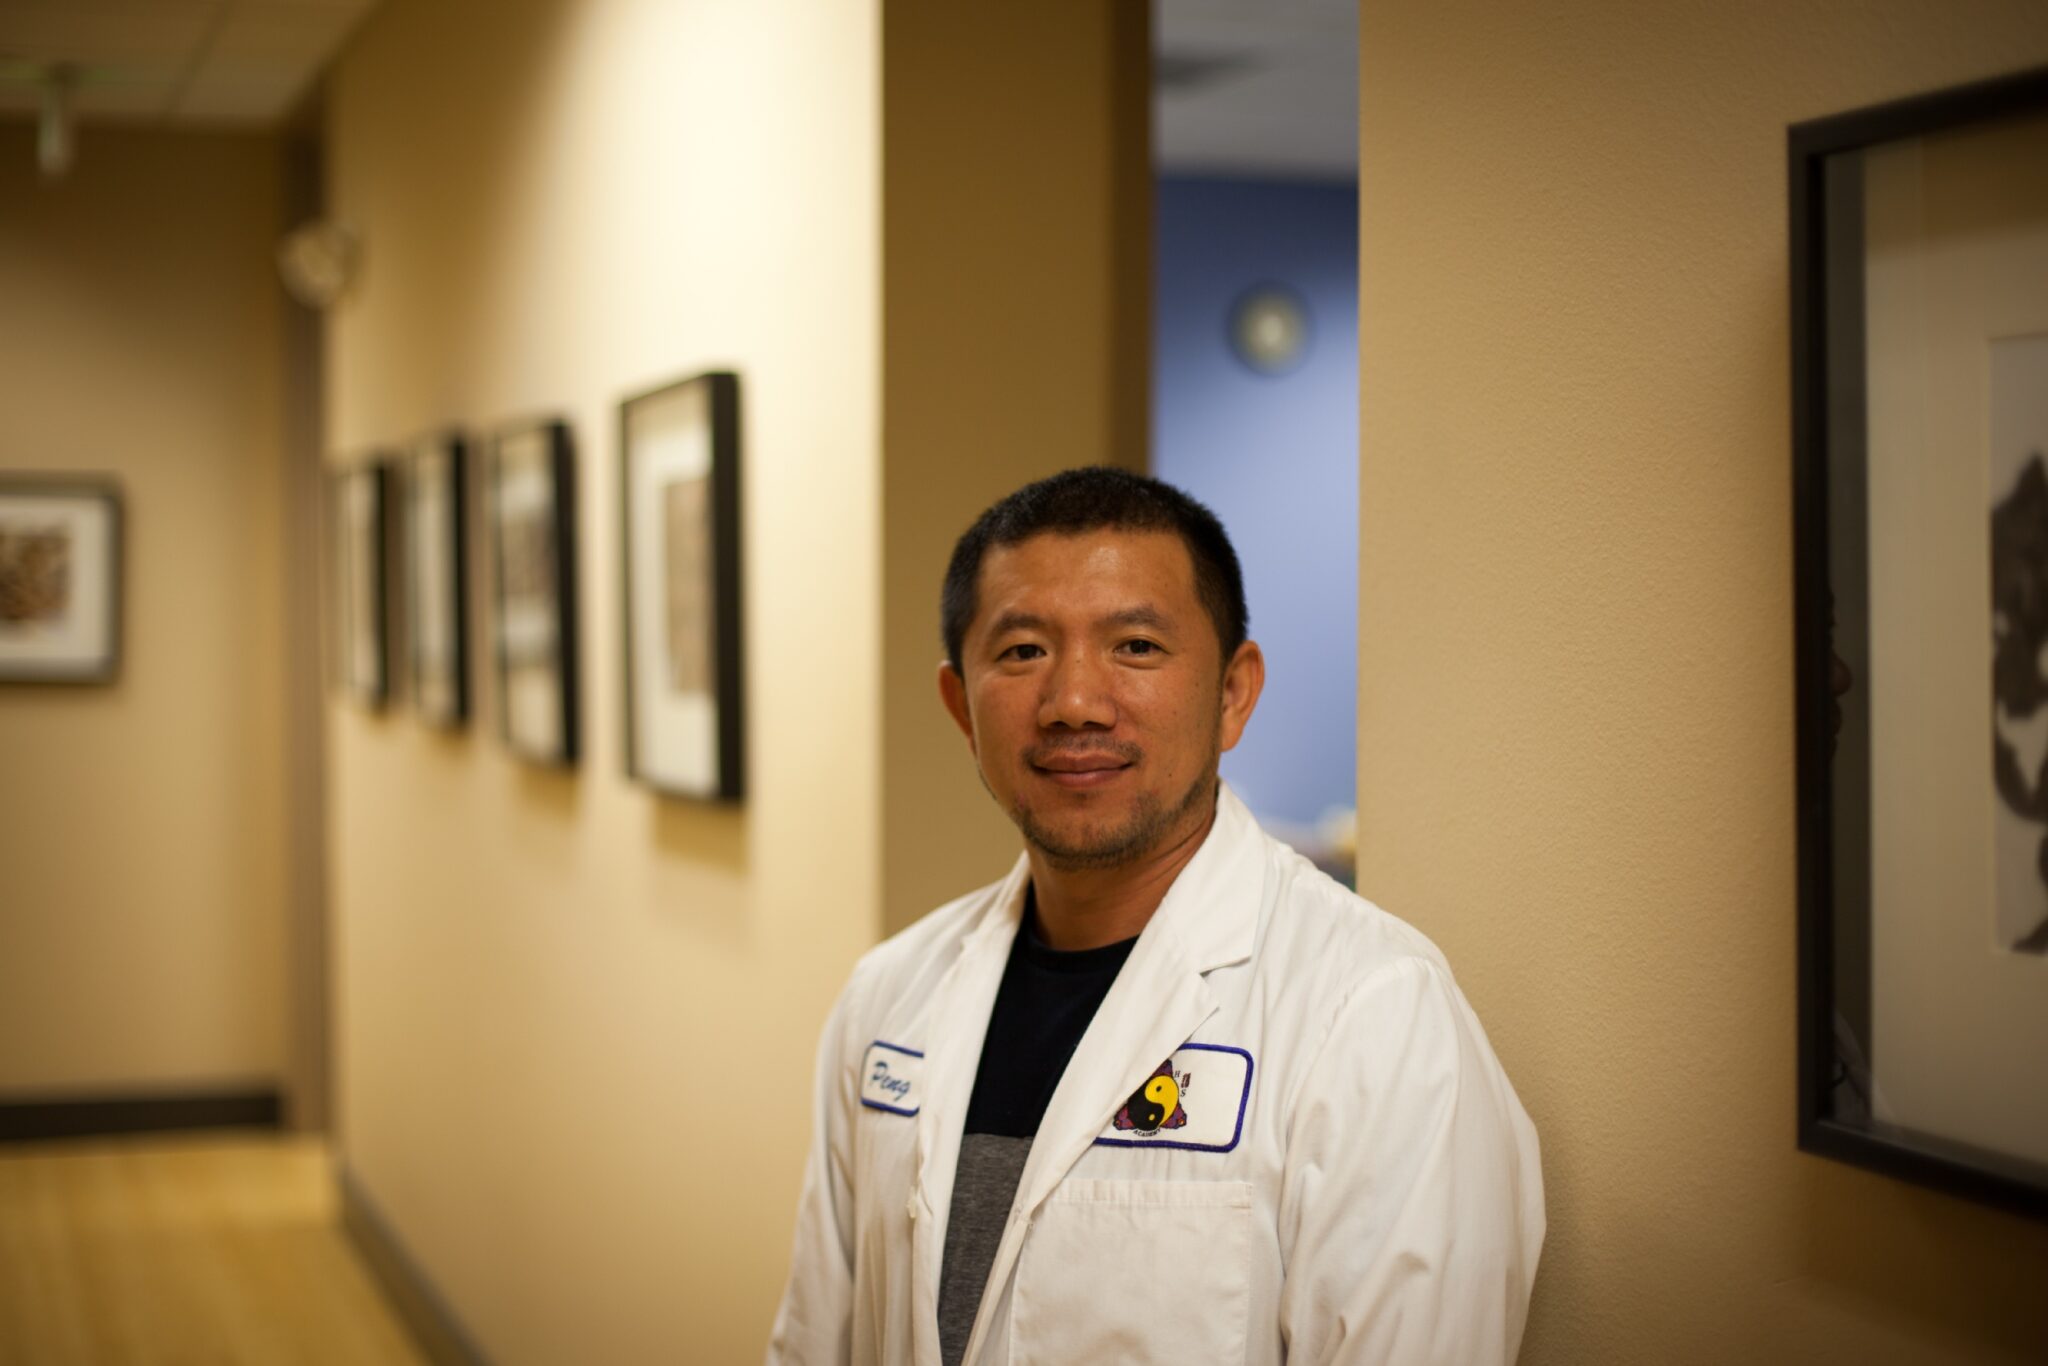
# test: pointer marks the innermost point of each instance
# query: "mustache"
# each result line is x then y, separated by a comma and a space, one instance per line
1081, 747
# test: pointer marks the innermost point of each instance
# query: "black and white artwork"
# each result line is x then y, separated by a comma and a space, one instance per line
2019, 638
680, 484
362, 497
532, 514
60, 579
436, 583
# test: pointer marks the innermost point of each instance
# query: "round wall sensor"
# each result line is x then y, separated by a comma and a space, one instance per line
1269, 329
317, 261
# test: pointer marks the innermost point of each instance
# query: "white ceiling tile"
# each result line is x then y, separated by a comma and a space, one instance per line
302, 33
258, 98
1257, 87
219, 60
1248, 28
164, 33
263, 57
110, 6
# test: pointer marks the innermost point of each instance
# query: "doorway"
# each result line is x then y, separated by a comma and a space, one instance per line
1255, 368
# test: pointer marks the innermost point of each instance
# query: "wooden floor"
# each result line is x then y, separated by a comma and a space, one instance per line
204, 1250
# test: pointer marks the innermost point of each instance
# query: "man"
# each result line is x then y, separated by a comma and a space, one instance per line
1165, 1093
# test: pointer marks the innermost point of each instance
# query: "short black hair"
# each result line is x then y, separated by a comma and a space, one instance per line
1096, 498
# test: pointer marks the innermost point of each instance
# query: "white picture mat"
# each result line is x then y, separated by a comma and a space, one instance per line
675, 734
1958, 259
82, 637
523, 491
430, 542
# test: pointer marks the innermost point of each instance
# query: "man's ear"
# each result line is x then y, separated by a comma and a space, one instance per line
1243, 681
953, 692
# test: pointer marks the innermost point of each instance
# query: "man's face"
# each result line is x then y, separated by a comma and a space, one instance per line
1094, 696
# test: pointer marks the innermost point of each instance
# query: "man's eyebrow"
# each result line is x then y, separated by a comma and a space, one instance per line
1015, 621
1144, 615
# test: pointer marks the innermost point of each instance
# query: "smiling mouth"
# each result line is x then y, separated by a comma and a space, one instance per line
1083, 765
1081, 769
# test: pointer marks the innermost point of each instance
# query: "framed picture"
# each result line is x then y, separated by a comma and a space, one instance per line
436, 579
533, 539
362, 508
680, 527
1920, 492
60, 579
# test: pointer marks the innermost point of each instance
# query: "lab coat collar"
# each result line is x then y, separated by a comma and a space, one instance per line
1212, 909
1208, 919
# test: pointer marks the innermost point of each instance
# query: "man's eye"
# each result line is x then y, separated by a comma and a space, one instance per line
1022, 652
1141, 647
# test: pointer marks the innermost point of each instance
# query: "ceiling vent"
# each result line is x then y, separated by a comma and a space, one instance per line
1186, 71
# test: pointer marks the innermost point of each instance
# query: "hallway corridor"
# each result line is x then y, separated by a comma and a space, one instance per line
215, 1248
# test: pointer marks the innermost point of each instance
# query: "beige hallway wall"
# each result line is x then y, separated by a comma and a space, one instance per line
576, 1021
142, 881
1017, 212
1575, 741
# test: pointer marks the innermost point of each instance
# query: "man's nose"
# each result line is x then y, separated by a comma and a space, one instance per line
1077, 693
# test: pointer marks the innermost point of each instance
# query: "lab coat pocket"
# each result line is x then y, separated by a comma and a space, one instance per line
1136, 1271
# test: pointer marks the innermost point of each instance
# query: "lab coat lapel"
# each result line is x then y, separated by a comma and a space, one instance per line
1208, 919
1159, 1000
958, 1022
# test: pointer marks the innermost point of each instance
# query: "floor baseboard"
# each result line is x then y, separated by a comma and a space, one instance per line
440, 1335
35, 1121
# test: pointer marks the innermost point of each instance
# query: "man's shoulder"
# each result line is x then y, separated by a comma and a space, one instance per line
917, 955
1315, 918
1367, 992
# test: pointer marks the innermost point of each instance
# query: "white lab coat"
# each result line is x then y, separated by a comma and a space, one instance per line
1376, 1196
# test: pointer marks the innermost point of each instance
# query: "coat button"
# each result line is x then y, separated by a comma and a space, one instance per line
910, 1207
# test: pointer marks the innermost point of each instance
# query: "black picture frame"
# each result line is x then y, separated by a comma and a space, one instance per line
436, 563
1847, 857
680, 548
362, 518
532, 512
60, 613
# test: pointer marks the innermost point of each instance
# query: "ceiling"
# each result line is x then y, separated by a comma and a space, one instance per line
1256, 87
178, 62
1241, 87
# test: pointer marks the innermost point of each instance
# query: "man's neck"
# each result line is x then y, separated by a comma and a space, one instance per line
1085, 908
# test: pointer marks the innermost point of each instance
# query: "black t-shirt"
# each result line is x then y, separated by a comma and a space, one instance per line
1042, 1008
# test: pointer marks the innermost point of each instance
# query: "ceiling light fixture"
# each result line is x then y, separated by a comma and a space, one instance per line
56, 133
56, 142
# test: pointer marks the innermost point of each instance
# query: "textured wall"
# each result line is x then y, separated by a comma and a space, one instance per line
1575, 721
142, 882
1016, 210
576, 1021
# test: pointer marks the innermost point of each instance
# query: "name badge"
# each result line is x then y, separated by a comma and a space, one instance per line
1195, 1100
892, 1078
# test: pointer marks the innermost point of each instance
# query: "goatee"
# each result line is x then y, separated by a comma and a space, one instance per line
1149, 824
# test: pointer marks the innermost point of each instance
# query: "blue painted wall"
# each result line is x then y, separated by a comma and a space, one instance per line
1275, 456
